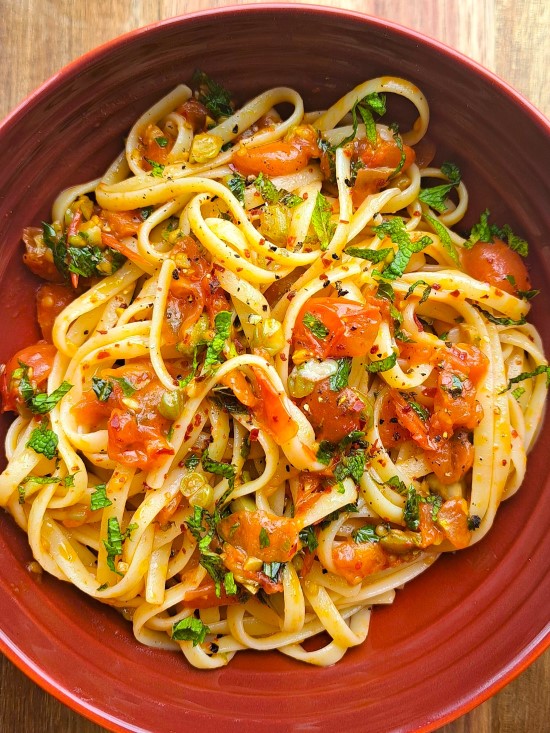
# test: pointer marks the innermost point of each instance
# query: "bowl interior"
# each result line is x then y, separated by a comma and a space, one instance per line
461, 629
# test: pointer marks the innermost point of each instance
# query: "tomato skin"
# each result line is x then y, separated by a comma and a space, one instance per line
493, 262
355, 561
332, 414
39, 358
51, 299
270, 411
279, 158
352, 327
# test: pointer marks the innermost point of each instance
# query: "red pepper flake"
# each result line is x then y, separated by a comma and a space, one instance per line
305, 196
343, 221
323, 276
436, 286
253, 436
291, 295
325, 263
215, 266
374, 349
455, 293
504, 462
103, 355
261, 242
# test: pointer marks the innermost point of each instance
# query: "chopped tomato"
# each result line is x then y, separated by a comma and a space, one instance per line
270, 410
455, 404
453, 520
262, 535
429, 532
278, 158
451, 458
193, 289
195, 113
39, 360
155, 145
355, 561
121, 223
51, 299
136, 429
235, 559
336, 327
38, 257
409, 419
465, 359
495, 263
390, 431
205, 596
310, 489
333, 414
385, 154
416, 354
241, 388
379, 161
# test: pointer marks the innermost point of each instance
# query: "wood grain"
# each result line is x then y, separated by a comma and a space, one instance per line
510, 37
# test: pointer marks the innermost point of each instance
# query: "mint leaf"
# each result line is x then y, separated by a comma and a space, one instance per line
222, 325
102, 388
98, 498
237, 186
373, 255
321, 221
190, 629
316, 326
42, 403
43, 441
340, 380
444, 237
273, 195
383, 365
218, 468
365, 534
213, 95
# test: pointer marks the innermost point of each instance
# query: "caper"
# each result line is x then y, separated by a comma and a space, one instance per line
171, 404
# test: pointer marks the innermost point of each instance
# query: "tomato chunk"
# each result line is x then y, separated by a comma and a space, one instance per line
39, 360
355, 561
278, 158
495, 263
334, 414
51, 299
262, 535
336, 327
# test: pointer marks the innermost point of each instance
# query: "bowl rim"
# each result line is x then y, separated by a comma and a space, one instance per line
13, 650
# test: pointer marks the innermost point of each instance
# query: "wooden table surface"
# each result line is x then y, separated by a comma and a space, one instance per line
510, 37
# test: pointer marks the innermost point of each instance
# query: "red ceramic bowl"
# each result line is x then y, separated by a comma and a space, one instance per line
460, 631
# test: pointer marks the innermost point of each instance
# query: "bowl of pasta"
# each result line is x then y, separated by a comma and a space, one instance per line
272, 363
